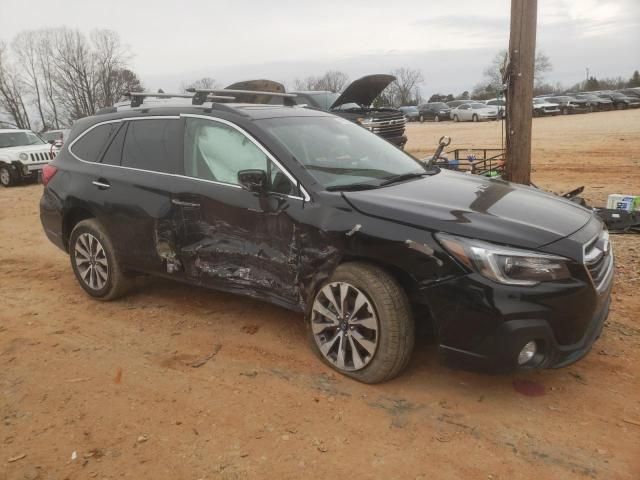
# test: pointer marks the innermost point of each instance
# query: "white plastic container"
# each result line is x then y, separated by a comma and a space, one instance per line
624, 202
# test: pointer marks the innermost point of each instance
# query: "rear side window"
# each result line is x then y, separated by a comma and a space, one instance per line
90, 145
153, 145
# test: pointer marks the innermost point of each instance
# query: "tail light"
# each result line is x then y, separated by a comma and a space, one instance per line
48, 171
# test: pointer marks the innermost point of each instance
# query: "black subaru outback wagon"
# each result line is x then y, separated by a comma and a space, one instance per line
314, 213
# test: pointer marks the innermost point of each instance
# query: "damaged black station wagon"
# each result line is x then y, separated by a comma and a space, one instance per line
312, 212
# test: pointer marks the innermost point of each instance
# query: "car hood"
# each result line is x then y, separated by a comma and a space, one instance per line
364, 90
14, 151
476, 207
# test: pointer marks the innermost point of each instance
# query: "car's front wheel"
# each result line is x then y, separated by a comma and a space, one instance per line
360, 323
7, 177
474, 117
94, 262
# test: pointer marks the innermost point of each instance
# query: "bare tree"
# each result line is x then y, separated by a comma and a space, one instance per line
25, 46
332, 81
47, 74
405, 90
494, 73
12, 91
110, 58
204, 83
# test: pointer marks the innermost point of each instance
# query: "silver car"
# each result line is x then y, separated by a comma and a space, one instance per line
474, 112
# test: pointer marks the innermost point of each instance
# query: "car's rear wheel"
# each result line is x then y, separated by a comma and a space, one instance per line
474, 117
455, 118
94, 262
7, 177
361, 324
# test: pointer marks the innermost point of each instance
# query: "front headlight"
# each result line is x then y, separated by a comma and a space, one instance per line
23, 157
509, 266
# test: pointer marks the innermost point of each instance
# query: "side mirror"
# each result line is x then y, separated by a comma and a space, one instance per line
253, 180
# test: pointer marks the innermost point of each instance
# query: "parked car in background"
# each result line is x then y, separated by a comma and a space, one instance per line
457, 103
306, 210
501, 105
474, 112
55, 135
22, 156
568, 104
354, 104
410, 112
541, 107
621, 100
630, 92
435, 111
594, 101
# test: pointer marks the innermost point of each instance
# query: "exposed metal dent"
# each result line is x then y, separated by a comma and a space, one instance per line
355, 229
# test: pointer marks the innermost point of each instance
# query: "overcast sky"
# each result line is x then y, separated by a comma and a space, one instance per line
451, 42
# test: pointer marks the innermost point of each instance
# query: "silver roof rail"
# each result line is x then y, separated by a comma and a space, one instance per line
202, 95
137, 98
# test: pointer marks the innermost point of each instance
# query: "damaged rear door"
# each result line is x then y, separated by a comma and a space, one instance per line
231, 238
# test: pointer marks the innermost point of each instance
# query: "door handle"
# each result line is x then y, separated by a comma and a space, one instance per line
182, 203
102, 184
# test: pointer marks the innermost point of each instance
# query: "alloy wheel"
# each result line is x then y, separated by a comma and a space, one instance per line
5, 177
91, 261
345, 326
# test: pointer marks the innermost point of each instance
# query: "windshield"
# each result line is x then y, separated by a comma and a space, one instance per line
19, 139
438, 105
338, 153
478, 106
54, 135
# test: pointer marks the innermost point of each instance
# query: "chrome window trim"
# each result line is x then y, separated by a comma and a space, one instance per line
306, 197
291, 178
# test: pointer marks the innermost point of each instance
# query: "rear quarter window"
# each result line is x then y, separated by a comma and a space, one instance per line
89, 145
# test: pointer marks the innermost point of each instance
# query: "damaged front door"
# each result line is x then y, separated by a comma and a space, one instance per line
232, 238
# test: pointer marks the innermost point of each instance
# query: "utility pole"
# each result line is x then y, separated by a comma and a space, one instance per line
519, 76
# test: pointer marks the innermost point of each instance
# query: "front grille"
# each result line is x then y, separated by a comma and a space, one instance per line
598, 258
388, 125
42, 156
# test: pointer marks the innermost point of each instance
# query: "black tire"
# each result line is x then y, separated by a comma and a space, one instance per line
455, 118
396, 328
474, 118
7, 176
116, 283
565, 111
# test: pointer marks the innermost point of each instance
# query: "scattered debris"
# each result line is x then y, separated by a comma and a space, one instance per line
118, 378
201, 362
250, 374
578, 377
16, 458
632, 422
529, 388
250, 329
77, 380
142, 438
74, 456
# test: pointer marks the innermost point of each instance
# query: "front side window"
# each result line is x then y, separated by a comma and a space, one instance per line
217, 152
152, 144
89, 146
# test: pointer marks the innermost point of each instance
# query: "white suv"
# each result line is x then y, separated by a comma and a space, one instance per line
22, 155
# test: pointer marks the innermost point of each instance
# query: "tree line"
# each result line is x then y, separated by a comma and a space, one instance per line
62, 74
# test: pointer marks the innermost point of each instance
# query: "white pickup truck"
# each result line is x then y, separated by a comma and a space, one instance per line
22, 155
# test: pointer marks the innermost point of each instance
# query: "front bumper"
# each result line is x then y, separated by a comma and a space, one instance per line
499, 352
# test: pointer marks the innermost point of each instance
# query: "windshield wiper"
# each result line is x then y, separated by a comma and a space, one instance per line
351, 187
405, 176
